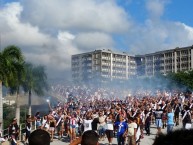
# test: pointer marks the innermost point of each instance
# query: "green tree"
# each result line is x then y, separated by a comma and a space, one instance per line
181, 80
10, 58
35, 81
8, 109
15, 84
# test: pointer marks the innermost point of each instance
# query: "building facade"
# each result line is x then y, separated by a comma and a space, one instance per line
102, 66
164, 62
105, 65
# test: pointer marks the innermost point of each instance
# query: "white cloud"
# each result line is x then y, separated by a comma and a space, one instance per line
50, 31
91, 41
157, 34
38, 47
189, 31
15, 32
156, 8
65, 36
154, 36
77, 15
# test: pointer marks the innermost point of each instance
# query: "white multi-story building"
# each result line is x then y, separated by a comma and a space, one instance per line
102, 65
164, 62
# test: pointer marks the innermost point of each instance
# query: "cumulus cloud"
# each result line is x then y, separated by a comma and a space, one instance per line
95, 40
189, 31
16, 32
157, 34
77, 15
38, 47
153, 37
49, 32
156, 8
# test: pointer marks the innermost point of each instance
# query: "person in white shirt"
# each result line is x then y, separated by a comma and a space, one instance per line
101, 127
45, 124
132, 129
109, 128
87, 123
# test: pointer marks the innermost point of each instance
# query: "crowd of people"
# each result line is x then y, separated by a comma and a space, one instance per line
111, 114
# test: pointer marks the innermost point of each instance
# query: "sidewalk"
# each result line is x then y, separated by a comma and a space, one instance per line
147, 140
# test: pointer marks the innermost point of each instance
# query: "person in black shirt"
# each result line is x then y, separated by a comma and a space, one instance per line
147, 121
182, 114
164, 107
95, 123
14, 131
186, 118
28, 127
52, 123
176, 112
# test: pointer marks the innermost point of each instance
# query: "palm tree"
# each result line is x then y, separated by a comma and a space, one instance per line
35, 81
10, 58
15, 84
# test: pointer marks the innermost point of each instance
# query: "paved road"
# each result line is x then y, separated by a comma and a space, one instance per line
147, 140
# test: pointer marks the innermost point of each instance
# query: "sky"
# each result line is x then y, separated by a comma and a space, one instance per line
50, 31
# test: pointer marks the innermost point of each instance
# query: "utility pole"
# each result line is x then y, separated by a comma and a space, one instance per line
1, 96
1, 88
0, 41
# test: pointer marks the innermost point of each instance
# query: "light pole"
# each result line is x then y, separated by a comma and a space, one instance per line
1, 105
1, 96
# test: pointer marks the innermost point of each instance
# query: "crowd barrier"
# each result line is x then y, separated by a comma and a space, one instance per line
22, 128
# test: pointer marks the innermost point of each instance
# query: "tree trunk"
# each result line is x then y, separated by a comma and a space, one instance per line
29, 103
1, 105
17, 113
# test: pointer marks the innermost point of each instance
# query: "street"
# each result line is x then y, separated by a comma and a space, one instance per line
147, 140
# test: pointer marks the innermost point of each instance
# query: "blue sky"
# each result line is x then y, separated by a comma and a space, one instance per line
179, 10
175, 10
50, 31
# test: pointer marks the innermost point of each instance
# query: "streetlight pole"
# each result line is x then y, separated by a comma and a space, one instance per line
1, 96
1, 105
0, 43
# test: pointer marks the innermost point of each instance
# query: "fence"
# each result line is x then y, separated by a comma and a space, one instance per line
22, 128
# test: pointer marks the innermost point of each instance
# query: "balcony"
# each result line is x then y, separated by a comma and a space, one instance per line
105, 70
105, 63
106, 58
